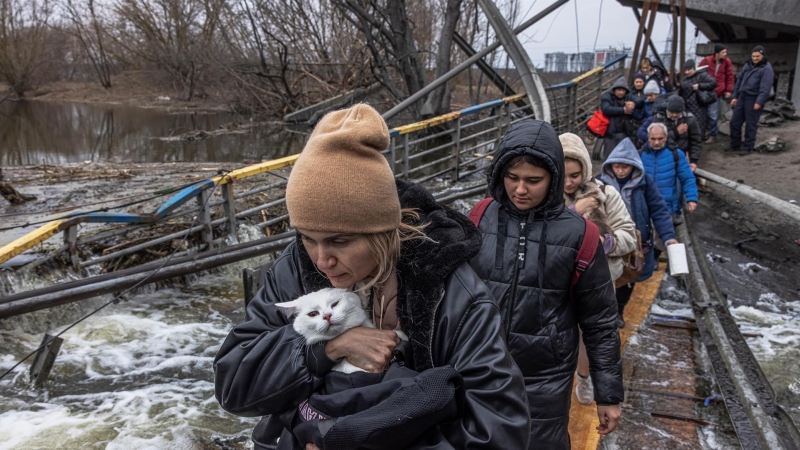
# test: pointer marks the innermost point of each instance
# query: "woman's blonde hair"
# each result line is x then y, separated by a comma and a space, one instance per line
385, 246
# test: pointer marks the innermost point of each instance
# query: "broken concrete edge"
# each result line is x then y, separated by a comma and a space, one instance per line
775, 203
760, 420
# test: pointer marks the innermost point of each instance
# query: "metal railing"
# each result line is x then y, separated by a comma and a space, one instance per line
452, 146
572, 102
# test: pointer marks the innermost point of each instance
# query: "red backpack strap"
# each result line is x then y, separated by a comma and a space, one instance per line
586, 253
477, 211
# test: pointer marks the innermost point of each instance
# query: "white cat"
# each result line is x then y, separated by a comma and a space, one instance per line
327, 313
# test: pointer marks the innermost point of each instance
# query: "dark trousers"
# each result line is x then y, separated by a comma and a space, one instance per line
624, 295
745, 114
610, 141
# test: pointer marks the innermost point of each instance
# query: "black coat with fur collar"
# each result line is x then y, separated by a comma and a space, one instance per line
444, 308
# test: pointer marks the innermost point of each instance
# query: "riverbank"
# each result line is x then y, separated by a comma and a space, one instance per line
144, 89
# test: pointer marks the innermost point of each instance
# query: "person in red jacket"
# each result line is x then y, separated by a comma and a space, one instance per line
721, 68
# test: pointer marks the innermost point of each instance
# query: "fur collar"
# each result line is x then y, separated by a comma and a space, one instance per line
422, 269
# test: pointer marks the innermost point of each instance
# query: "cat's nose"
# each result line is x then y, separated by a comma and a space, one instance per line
327, 317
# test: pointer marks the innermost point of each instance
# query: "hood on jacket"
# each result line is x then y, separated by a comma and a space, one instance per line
453, 241
575, 148
657, 65
539, 140
626, 153
620, 83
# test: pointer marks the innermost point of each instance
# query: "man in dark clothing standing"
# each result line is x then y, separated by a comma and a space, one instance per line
695, 86
750, 92
684, 131
527, 259
721, 68
618, 105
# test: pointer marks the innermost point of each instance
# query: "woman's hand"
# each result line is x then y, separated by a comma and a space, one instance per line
671, 242
586, 204
367, 348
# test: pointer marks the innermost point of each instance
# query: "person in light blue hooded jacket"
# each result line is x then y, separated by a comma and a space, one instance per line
625, 172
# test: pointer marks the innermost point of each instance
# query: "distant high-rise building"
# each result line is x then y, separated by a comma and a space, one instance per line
568, 62
603, 56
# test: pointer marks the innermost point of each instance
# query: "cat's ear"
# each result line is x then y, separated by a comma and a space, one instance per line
290, 308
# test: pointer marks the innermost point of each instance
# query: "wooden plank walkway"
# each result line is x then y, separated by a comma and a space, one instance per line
583, 419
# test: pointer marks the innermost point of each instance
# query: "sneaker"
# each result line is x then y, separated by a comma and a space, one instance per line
745, 152
710, 140
584, 390
732, 149
620, 322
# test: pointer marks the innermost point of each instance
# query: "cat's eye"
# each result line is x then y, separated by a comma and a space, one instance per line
313, 314
334, 304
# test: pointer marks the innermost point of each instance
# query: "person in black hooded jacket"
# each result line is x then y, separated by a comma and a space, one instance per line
619, 107
342, 198
530, 242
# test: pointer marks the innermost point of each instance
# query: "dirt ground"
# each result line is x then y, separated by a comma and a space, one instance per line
777, 174
134, 88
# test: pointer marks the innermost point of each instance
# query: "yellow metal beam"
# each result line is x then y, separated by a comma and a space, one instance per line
405, 129
514, 98
588, 74
37, 236
255, 169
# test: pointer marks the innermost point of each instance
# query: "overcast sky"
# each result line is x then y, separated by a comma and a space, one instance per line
618, 26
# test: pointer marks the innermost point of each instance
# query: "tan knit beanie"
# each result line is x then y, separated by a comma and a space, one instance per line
341, 183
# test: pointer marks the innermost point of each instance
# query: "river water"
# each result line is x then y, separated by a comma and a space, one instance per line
34, 132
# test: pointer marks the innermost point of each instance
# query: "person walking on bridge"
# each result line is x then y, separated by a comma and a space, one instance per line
618, 105
750, 92
721, 68
667, 166
697, 90
528, 260
683, 130
356, 225
624, 171
603, 205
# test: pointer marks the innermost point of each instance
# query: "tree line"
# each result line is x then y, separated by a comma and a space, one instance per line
265, 56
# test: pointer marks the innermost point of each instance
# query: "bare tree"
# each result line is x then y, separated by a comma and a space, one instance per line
389, 35
24, 43
90, 32
298, 52
174, 35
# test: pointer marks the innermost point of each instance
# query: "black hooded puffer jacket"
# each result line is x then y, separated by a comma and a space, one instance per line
614, 108
444, 308
533, 291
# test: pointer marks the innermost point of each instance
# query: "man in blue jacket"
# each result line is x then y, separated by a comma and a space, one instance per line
668, 167
750, 92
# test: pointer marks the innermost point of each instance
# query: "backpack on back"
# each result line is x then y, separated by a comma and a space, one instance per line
585, 254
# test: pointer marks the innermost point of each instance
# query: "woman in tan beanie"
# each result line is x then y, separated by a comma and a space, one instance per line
359, 228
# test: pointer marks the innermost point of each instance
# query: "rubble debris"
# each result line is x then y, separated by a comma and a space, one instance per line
725, 215
12, 195
775, 112
771, 145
